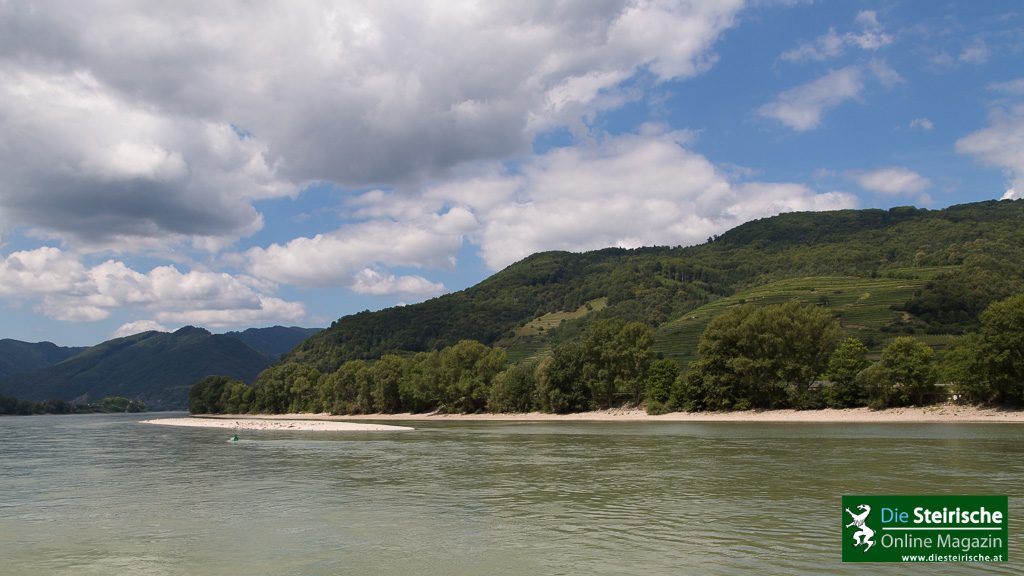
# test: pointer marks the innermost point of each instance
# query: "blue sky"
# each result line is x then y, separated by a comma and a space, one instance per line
257, 163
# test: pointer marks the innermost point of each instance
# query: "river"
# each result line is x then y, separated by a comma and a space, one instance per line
105, 495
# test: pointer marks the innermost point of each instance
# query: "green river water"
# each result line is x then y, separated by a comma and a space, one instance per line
105, 495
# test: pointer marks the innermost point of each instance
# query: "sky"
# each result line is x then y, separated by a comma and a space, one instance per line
239, 164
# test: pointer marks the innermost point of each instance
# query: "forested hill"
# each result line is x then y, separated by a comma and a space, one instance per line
155, 367
18, 357
275, 340
935, 271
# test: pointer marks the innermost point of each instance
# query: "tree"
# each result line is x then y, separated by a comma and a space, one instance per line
847, 361
906, 374
1002, 335
8, 405
660, 380
289, 387
966, 368
560, 386
465, 374
340, 389
763, 357
617, 357
204, 396
514, 389
419, 391
387, 374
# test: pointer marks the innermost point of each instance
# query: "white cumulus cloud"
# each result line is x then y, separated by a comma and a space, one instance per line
628, 191
66, 289
891, 180
369, 281
96, 167
427, 239
869, 35
130, 124
137, 327
801, 108
1001, 144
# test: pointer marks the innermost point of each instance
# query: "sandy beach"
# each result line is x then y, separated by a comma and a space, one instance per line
286, 424
945, 413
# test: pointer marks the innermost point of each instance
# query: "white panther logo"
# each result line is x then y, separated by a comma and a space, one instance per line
865, 534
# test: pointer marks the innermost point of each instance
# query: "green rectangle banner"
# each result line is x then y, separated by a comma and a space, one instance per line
925, 528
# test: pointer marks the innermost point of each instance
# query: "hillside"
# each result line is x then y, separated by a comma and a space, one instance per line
17, 357
156, 367
922, 271
865, 308
275, 340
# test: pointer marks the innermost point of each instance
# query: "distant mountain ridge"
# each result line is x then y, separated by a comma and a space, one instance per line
155, 367
275, 340
17, 357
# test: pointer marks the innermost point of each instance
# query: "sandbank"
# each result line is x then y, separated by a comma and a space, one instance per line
285, 424
938, 414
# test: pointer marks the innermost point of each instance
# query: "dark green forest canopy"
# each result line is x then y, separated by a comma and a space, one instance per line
971, 252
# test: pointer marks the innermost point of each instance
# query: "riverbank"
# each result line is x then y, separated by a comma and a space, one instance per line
939, 414
298, 423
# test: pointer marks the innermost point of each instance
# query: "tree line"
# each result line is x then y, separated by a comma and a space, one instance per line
779, 356
10, 406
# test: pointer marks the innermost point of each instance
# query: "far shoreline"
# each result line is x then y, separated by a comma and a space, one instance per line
938, 414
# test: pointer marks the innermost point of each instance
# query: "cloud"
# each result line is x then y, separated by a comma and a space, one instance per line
801, 108
97, 168
264, 310
1012, 87
368, 281
922, 124
869, 36
196, 110
885, 75
629, 191
824, 47
891, 180
975, 54
1001, 144
137, 327
66, 289
428, 239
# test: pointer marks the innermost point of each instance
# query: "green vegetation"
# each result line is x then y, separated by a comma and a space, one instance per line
881, 273
154, 367
756, 316
611, 362
274, 341
18, 357
762, 357
866, 308
846, 363
10, 406
905, 376
220, 394
751, 357
989, 366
